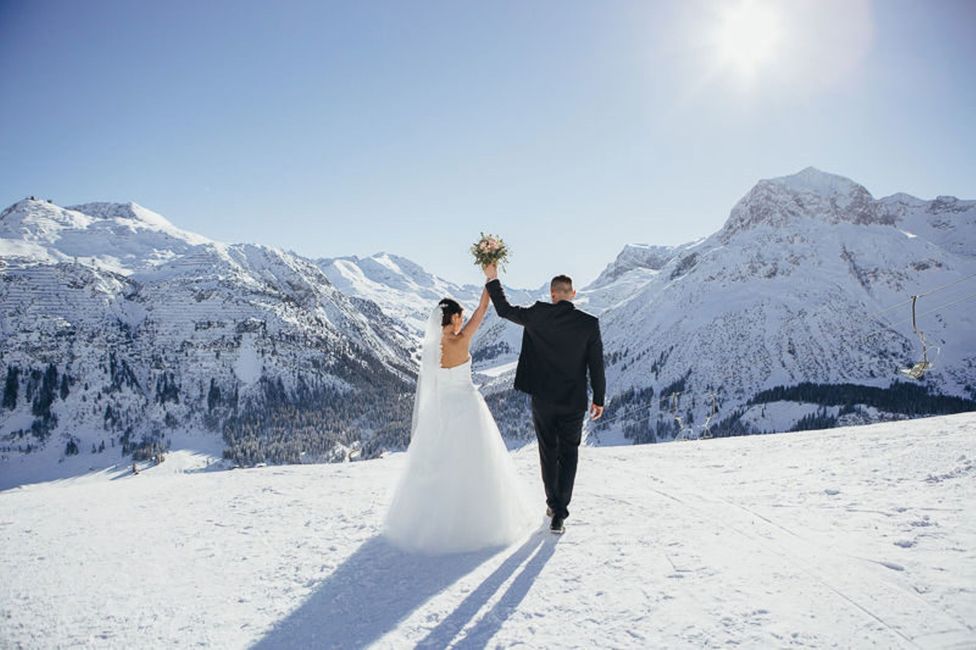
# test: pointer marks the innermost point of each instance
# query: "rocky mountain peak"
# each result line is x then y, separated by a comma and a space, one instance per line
635, 256
819, 182
809, 196
129, 211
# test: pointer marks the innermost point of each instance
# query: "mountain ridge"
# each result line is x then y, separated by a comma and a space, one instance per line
122, 335
156, 332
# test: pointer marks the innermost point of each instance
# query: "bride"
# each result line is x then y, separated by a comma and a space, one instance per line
459, 490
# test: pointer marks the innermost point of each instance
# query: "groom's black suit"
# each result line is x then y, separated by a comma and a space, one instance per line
559, 345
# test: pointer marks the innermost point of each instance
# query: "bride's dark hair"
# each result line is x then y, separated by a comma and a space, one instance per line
449, 307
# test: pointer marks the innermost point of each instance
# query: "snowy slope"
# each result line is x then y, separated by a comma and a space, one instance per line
852, 537
119, 331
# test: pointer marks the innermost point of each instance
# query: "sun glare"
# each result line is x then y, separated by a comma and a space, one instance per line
747, 37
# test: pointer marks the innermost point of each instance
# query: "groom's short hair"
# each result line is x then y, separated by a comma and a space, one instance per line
561, 284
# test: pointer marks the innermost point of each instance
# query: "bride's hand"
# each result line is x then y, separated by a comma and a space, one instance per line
491, 272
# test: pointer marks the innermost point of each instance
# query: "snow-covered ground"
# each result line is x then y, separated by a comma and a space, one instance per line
191, 452
852, 537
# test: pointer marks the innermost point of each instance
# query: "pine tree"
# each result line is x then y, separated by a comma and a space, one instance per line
10, 387
45, 396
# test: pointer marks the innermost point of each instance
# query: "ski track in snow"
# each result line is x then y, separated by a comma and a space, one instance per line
856, 537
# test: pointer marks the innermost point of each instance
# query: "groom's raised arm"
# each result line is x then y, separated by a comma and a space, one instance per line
506, 310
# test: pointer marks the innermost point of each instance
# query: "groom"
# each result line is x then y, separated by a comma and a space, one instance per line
559, 345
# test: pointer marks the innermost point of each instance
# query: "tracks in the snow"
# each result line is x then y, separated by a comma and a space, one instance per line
823, 567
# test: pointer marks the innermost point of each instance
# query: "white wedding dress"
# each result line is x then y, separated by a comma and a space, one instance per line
459, 490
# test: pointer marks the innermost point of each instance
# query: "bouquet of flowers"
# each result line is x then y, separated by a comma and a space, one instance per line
490, 249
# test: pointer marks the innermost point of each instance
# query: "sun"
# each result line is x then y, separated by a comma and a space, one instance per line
747, 37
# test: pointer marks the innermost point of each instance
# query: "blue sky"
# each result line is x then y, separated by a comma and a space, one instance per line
570, 128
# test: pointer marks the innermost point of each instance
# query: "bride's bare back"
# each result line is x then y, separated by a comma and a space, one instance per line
456, 342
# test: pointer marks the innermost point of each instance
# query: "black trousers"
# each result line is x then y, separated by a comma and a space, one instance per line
559, 430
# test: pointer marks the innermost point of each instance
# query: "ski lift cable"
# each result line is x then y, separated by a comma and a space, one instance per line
640, 411
643, 411
913, 320
923, 294
898, 323
948, 304
946, 286
915, 317
635, 412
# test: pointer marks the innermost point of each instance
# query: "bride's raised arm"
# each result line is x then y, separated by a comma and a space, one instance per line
477, 317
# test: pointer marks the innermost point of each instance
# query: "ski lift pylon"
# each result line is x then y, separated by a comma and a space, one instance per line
675, 407
706, 428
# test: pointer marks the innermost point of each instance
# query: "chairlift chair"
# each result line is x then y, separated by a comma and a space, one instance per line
919, 368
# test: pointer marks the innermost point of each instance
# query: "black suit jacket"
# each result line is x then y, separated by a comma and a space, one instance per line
559, 344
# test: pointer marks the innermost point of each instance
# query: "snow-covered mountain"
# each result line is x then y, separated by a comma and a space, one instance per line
850, 538
635, 266
795, 288
405, 291
402, 288
118, 330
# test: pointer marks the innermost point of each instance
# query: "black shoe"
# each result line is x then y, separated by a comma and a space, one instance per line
556, 525
548, 511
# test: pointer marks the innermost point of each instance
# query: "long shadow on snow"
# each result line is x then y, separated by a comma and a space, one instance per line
539, 547
368, 595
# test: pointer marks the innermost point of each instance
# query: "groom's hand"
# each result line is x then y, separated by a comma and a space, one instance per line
596, 412
491, 272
